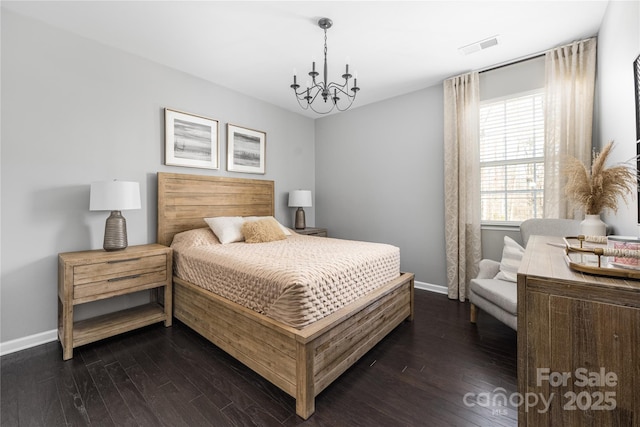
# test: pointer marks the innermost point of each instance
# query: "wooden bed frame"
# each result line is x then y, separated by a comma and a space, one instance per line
301, 362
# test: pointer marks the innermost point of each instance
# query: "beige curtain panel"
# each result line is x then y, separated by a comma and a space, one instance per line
569, 91
461, 182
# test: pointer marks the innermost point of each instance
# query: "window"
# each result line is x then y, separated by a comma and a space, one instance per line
512, 157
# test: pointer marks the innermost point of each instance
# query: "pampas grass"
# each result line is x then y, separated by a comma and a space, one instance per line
603, 187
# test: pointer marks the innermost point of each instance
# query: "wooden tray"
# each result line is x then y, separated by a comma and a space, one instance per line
586, 257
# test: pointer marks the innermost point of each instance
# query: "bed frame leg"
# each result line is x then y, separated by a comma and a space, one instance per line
305, 390
412, 296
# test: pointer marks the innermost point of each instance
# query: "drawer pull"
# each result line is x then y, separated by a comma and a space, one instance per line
116, 279
122, 260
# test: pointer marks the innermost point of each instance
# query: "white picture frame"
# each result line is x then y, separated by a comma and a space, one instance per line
246, 149
191, 140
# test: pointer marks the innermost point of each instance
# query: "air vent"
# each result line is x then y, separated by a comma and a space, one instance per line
480, 45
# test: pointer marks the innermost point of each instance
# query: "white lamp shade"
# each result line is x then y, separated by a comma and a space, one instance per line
114, 196
300, 199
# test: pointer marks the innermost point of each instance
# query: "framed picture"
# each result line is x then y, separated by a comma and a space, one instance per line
246, 149
191, 140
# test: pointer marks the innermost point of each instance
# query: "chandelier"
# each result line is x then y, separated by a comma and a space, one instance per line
333, 94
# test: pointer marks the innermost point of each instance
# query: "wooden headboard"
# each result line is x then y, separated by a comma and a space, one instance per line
185, 200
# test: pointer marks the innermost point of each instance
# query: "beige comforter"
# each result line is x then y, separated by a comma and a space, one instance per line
296, 281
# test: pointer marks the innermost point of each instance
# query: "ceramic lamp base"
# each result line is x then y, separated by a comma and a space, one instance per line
300, 221
115, 232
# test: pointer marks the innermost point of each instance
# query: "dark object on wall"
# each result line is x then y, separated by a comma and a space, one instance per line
636, 80
636, 73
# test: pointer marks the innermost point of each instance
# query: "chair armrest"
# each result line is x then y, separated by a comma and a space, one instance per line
488, 268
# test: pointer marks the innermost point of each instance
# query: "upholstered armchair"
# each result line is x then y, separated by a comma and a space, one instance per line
494, 290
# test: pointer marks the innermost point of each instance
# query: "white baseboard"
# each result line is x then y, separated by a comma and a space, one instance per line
50, 336
28, 342
439, 289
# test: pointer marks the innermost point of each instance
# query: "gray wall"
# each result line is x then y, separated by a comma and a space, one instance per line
379, 177
618, 47
73, 112
493, 239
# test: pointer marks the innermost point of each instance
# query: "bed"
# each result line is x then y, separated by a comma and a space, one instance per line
300, 361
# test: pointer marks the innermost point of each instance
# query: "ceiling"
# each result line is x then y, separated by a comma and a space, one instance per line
252, 47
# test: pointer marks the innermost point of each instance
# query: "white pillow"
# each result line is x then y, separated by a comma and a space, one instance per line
511, 258
226, 228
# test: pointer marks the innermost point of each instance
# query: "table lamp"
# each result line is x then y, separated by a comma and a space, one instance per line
300, 199
115, 196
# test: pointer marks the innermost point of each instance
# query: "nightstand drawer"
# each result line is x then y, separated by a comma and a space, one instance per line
107, 279
115, 269
114, 286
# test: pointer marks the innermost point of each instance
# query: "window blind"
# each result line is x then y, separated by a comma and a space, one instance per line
512, 157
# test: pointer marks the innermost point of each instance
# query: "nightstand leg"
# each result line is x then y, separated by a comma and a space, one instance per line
65, 329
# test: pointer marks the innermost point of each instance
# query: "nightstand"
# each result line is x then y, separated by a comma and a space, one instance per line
313, 231
94, 275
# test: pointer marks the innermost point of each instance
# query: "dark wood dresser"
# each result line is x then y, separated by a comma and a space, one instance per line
578, 343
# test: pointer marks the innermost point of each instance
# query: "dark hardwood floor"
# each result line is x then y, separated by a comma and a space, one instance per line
417, 376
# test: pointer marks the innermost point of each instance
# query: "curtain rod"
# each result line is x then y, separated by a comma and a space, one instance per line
506, 64
522, 59
526, 58
517, 61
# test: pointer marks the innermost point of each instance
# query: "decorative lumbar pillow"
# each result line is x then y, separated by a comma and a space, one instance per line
284, 229
262, 231
226, 228
511, 258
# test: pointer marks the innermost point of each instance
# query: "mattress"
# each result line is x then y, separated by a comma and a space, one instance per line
297, 281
